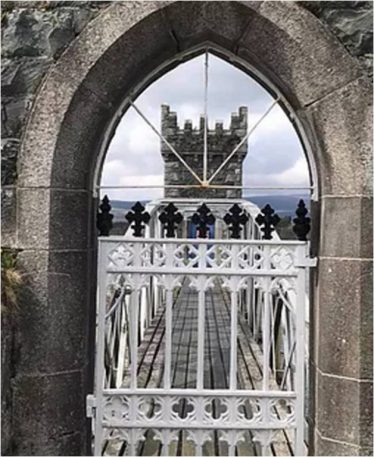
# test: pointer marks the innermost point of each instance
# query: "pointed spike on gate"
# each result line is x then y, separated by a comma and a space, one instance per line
170, 218
104, 217
137, 218
267, 220
301, 226
235, 220
202, 219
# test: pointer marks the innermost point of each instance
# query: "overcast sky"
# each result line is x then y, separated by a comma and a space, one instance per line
275, 156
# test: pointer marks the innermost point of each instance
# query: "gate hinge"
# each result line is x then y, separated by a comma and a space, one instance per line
91, 406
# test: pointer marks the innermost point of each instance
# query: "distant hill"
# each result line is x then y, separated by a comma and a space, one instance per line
284, 205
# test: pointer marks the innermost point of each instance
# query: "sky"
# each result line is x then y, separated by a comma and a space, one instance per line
275, 156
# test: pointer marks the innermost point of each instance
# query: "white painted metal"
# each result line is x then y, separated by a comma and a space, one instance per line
270, 266
198, 186
205, 155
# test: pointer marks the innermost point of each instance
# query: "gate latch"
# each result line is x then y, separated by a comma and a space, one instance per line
90, 406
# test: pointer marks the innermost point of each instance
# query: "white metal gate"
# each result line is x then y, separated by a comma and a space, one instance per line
254, 275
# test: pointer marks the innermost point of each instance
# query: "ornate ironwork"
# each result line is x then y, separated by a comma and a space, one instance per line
267, 221
170, 218
203, 218
138, 217
301, 226
235, 220
104, 219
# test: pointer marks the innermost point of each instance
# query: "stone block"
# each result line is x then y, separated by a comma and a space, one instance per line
54, 312
34, 266
79, 141
220, 22
33, 207
39, 143
325, 447
126, 46
69, 219
342, 123
55, 219
305, 69
47, 409
134, 55
8, 216
348, 227
344, 410
345, 315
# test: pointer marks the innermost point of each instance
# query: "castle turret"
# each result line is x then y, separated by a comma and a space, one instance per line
189, 143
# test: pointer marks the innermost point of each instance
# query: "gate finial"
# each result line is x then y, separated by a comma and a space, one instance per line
170, 217
104, 218
235, 220
138, 216
202, 218
268, 220
301, 226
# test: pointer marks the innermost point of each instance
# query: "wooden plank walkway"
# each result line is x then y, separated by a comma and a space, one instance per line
184, 367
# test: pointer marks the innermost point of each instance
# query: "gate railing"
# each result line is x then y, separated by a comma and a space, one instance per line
259, 276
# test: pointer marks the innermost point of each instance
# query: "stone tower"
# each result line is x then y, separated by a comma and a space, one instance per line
189, 143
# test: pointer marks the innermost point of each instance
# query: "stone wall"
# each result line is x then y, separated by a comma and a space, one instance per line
35, 33
189, 143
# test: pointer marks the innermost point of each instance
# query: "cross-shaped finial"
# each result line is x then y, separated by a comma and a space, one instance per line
138, 215
235, 220
302, 223
104, 217
269, 220
202, 218
170, 218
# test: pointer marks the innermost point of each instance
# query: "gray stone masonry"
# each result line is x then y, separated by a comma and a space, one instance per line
189, 143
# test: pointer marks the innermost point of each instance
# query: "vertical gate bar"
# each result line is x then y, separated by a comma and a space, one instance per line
132, 442
205, 157
234, 282
122, 345
300, 353
100, 345
201, 335
134, 317
168, 338
201, 318
170, 248
266, 320
234, 337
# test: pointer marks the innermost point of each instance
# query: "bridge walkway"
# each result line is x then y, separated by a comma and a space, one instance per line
184, 367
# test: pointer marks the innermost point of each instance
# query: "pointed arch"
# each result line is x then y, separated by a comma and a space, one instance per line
78, 100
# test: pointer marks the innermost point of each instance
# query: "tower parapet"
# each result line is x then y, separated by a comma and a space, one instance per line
189, 143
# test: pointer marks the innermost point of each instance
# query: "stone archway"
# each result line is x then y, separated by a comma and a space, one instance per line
55, 208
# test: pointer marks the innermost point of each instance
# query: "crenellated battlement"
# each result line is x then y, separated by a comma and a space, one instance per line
189, 142
169, 124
